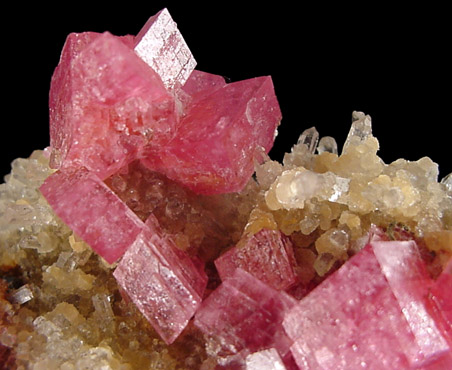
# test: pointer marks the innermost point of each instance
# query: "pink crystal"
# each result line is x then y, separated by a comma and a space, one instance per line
201, 81
267, 359
441, 300
162, 47
162, 281
244, 315
217, 138
359, 316
92, 211
105, 105
268, 255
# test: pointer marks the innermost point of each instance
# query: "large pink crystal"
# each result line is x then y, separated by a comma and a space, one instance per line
268, 255
162, 281
244, 315
162, 47
92, 211
105, 105
218, 137
369, 313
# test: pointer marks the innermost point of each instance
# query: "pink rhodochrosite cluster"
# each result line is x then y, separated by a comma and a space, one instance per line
140, 238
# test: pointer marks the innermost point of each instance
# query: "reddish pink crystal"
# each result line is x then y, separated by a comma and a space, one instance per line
162, 281
92, 211
268, 255
244, 315
162, 47
360, 317
217, 139
105, 105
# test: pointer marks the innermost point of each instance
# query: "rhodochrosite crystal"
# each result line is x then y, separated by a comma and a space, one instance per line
244, 315
93, 211
370, 313
269, 248
327, 260
161, 280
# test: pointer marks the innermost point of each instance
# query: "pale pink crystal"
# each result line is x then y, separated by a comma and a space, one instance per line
92, 211
244, 315
358, 317
218, 137
202, 81
162, 47
105, 105
163, 282
267, 359
268, 255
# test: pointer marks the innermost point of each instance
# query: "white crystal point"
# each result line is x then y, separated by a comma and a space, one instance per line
310, 138
447, 180
327, 144
360, 130
162, 47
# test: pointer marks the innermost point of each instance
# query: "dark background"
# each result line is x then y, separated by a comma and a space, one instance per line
325, 62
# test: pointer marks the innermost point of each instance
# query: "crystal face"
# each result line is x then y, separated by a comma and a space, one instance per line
140, 239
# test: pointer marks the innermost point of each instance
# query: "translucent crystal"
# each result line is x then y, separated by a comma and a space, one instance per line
360, 130
22, 295
327, 144
310, 138
447, 180
162, 47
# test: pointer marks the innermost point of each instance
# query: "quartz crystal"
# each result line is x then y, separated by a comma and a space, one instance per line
140, 238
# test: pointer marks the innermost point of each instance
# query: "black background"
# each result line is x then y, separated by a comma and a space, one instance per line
325, 62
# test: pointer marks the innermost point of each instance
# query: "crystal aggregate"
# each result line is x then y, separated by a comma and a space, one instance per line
139, 238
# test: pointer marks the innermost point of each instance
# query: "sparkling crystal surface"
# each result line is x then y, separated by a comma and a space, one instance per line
244, 315
162, 47
161, 280
93, 211
268, 248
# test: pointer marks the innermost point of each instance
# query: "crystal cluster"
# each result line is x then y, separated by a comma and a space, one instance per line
140, 239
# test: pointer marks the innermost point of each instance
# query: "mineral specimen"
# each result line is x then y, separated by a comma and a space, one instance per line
326, 260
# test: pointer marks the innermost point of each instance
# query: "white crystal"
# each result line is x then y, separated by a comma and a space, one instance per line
22, 295
267, 359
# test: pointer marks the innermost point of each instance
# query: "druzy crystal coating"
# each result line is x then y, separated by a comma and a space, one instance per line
152, 246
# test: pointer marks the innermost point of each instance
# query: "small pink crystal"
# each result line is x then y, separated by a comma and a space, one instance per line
162, 47
92, 211
359, 316
162, 281
267, 255
218, 137
244, 315
105, 105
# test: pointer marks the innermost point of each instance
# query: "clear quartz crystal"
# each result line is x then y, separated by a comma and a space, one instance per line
327, 144
360, 130
310, 138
